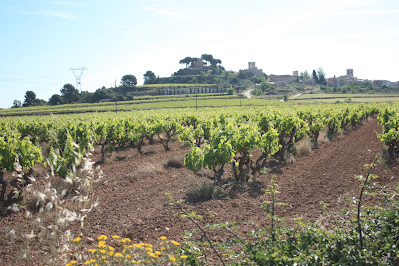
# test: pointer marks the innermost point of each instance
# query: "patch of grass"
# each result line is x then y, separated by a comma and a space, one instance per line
174, 163
202, 191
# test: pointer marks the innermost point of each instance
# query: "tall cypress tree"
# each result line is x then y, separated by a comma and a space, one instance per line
315, 77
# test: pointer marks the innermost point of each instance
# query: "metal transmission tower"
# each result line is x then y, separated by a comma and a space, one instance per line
78, 76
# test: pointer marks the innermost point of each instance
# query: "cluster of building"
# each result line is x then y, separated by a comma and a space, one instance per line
348, 78
285, 80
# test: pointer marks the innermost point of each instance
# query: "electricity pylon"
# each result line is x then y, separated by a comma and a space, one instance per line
78, 76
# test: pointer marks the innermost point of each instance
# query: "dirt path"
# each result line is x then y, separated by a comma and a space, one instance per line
133, 202
248, 93
296, 95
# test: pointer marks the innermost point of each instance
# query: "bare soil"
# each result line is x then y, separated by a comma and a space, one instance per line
133, 202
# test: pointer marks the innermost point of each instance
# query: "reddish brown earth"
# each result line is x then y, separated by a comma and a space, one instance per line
133, 201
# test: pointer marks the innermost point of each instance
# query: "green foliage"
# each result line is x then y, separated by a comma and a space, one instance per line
314, 76
309, 244
55, 99
285, 97
69, 93
230, 91
321, 76
129, 80
16, 104
20, 151
265, 89
31, 100
389, 119
149, 77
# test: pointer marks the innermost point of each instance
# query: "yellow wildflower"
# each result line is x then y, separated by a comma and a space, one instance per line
77, 239
111, 248
158, 253
183, 256
163, 238
102, 251
149, 249
171, 258
102, 244
116, 237
110, 253
118, 255
175, 243
92, 250
102, 237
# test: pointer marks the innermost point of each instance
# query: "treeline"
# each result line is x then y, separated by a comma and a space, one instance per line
69, 94
360, 87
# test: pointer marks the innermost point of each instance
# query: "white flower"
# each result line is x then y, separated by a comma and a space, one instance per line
30, 236
49, 206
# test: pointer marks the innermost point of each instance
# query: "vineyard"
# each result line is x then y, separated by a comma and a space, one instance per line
233, 151
139, 103
358, 98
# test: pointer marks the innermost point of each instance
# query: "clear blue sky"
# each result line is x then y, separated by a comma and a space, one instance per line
42, 39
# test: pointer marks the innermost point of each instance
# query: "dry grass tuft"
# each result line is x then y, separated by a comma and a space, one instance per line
323, 138
202, 191
303, 147
174, 163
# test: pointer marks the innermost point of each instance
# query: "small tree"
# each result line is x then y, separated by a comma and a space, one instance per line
187, 61
304, 75
285, 97
230, 91
16, 104
129, 81
314, 76
149, 77
30, 98
216, 62
207, 57
321, 76
56, 99
69, 93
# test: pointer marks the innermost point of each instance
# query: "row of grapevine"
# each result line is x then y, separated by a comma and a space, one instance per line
389, 119
234, 139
